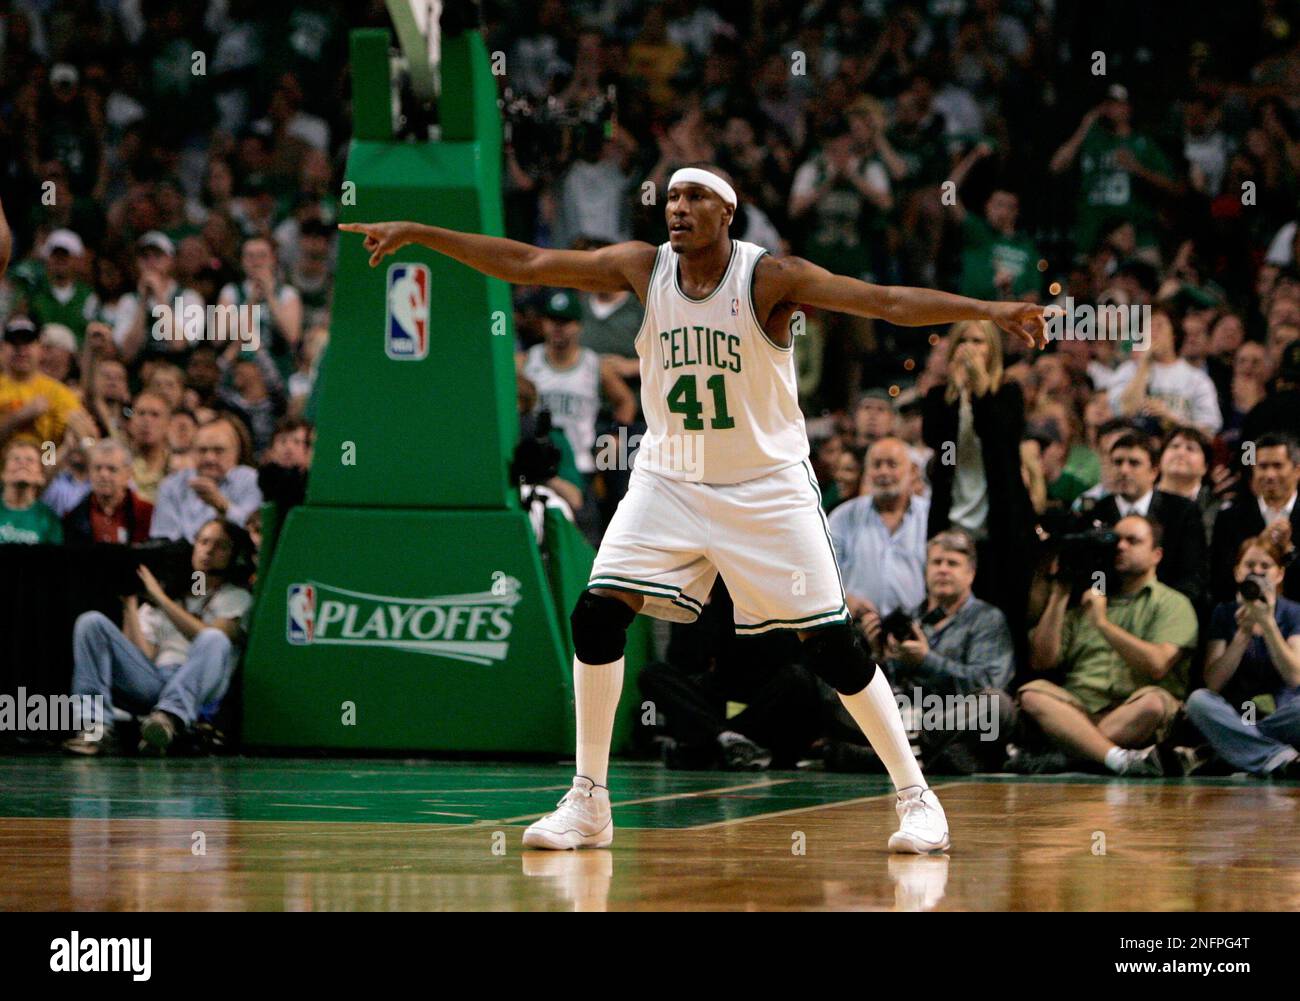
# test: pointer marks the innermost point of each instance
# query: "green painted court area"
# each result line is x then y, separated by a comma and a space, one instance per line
382, 791
419, 791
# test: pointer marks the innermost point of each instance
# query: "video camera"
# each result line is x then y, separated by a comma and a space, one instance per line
1083, 547
537, 459
546, 134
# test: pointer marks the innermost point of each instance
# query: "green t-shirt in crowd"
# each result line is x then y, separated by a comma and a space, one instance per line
1095, 672
73, 310
30, 525
1106, 190
985, 252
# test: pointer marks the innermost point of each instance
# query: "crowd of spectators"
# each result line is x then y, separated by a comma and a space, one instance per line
1063, 534
161, 158
1062, 154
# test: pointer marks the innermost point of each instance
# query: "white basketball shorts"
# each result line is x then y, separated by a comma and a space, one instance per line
768, 537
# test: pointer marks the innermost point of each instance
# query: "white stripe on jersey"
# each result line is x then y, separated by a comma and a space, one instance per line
720, 399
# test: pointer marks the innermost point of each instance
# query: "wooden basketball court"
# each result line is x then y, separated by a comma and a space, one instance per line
338, 835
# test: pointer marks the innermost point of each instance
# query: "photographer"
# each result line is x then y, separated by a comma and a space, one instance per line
1125, 658
170, 657
953, 644
543, 465
1254, 652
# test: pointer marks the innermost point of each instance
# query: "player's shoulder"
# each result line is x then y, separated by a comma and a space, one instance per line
634, 259
782, 279
632, 252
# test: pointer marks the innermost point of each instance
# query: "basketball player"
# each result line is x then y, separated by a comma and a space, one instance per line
722, 482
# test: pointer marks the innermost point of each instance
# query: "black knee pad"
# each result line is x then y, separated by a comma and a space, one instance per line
599, 628
835, 655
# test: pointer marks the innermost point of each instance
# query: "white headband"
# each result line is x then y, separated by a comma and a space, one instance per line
694, 175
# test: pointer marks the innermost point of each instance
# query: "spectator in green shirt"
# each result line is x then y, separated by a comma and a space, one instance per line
997, 261
1120, 170
59, 296
1125, 656
23, 518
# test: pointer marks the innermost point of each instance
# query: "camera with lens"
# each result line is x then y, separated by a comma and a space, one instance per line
1083, 547
536, 459
545, 133
897, 624
1254, 588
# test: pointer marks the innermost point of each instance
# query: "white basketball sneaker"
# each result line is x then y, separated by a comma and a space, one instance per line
582, 820
923, 827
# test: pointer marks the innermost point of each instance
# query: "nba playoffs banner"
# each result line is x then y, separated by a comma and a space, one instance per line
474, 628
384, 629
419, 630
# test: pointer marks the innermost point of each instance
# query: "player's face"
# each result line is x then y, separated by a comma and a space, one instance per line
696, 216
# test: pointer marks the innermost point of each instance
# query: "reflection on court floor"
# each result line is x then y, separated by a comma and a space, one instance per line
275, 834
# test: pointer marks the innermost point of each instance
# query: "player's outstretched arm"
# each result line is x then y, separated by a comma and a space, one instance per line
609, 269
803, 282
6, 242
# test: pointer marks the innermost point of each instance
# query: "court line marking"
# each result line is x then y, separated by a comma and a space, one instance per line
767, 783
800, 809
315, 806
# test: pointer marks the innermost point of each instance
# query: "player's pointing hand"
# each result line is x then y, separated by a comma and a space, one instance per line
382, 238
1025, 320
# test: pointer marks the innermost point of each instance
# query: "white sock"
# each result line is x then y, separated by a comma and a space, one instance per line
1116, 758
596, 688
875, 711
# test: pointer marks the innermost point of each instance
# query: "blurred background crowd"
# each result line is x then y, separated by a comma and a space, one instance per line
1110, 154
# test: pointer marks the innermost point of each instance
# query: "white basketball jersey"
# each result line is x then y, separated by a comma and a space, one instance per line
720, 399
572, 395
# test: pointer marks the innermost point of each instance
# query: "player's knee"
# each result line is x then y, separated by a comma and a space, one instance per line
599, 628
835, 655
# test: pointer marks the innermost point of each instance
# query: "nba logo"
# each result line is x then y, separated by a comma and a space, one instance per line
301, 614
406, 329
735, 307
